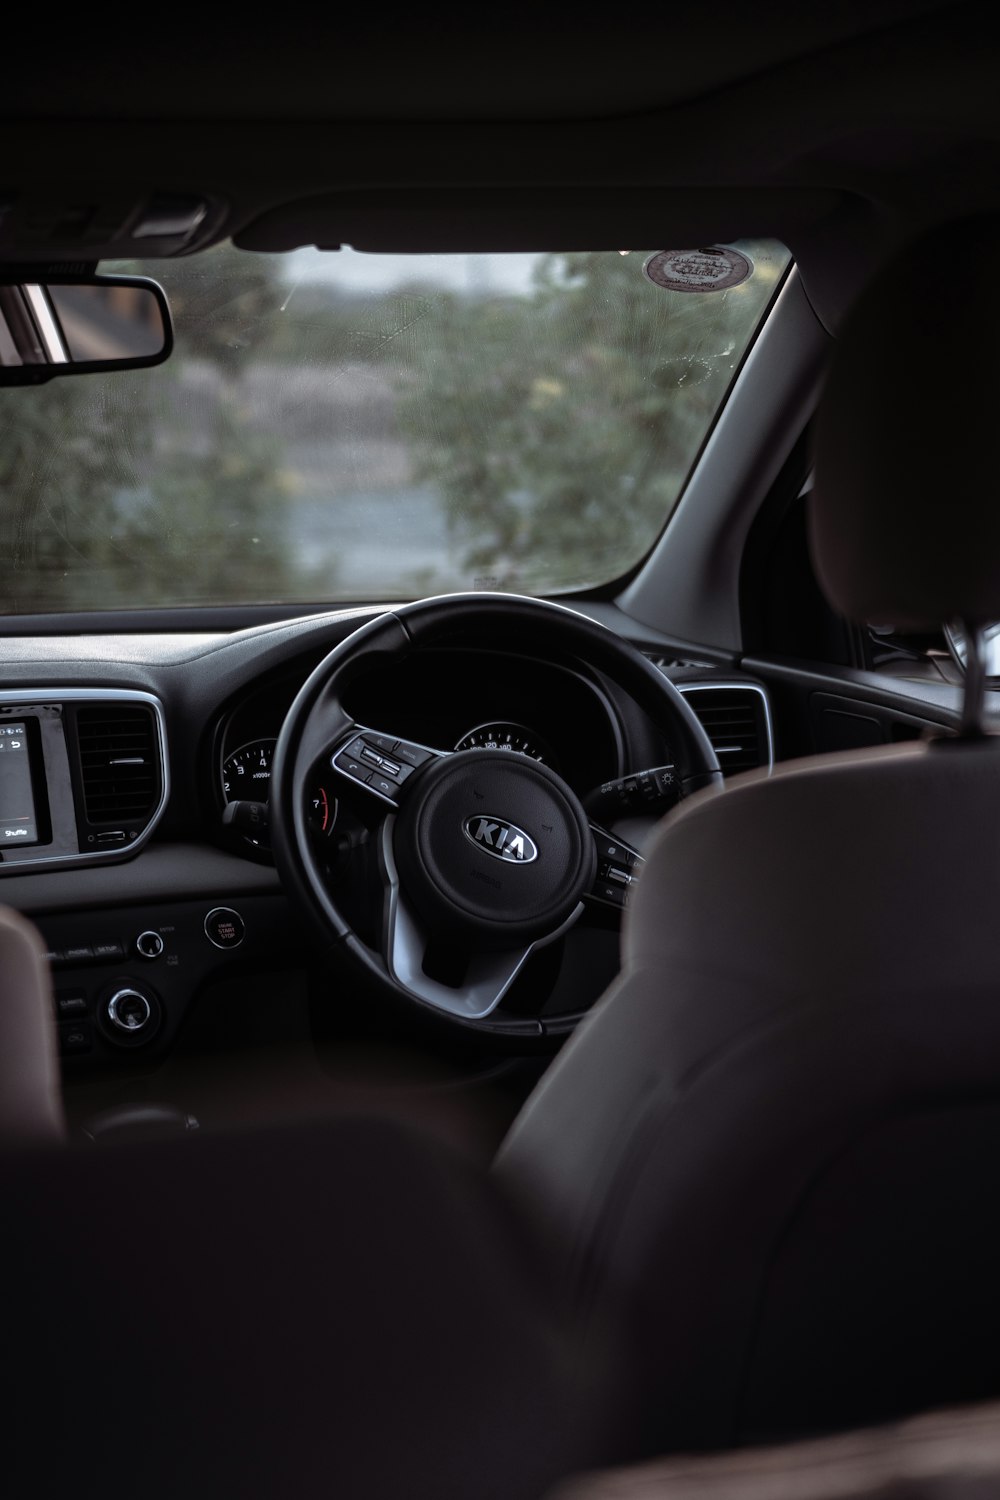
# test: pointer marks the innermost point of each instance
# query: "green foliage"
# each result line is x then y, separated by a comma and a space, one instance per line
205, 528
55, 478
106, 497
552, 428
560, 428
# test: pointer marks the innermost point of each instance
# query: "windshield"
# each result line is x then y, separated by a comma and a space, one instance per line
336, 427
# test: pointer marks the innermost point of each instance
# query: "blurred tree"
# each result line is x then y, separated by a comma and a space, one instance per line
554, 428
560, 427
55, 482
148, 487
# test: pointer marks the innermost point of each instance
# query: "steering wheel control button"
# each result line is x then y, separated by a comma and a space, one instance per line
149, 944
383, 786
381, 742
618, 869
348, 763
411, 755
225, 927
386, 768
380, 763
612, 895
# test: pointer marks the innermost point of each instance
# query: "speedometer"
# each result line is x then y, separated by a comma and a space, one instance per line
501, 735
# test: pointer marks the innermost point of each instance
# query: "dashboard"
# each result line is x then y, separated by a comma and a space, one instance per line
448, 700
120, 755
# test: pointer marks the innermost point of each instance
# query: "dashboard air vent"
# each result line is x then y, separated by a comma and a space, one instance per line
119, 762
737, 721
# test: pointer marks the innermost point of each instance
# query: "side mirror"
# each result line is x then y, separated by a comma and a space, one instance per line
81, 325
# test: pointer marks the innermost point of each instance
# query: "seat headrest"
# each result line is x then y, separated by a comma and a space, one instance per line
905, 514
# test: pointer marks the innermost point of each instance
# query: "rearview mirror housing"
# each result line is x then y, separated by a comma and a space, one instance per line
80, 325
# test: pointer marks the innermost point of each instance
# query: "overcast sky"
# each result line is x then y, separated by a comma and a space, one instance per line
359, 272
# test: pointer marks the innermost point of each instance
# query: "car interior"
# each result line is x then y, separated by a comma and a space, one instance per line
497, 966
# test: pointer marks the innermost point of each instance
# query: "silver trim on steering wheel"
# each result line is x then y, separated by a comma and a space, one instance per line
489, 976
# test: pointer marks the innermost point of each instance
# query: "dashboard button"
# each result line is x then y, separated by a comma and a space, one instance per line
71, 1005
108, 951
81, 953
224, 927
149, 944
75, 1037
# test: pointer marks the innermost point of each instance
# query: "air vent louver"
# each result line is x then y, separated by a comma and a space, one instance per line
735, 720
119, 763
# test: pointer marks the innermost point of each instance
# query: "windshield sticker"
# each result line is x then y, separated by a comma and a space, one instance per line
714, 269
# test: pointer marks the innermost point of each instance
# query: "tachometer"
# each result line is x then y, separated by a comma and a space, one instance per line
246, 774
246, 777
501, 735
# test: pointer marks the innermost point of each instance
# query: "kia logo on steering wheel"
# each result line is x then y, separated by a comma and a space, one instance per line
502, 840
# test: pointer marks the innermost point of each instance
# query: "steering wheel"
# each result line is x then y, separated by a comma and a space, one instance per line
482, 853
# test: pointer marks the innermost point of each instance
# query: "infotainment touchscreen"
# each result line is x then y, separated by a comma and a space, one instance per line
18, 823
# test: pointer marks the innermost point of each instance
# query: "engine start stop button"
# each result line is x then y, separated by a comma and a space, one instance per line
224, 927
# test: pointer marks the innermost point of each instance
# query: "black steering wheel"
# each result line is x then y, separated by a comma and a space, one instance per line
483, 853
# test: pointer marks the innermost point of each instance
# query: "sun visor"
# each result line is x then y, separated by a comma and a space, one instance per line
905, 514
443, 221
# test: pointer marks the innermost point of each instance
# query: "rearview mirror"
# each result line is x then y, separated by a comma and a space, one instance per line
76, 326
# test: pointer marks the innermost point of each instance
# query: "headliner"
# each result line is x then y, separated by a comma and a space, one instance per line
841, 130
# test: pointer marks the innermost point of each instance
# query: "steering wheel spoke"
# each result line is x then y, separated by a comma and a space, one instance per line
479, 978
380, 764
619, 866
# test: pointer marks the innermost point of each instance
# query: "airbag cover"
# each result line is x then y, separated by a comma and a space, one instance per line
494, 848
